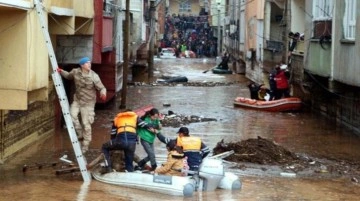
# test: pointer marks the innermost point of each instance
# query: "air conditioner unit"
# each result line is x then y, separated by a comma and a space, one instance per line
322, 28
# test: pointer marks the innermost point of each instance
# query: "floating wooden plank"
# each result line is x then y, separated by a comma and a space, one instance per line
38, 166
67, 170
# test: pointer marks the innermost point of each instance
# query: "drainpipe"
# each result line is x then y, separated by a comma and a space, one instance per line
332, 55
218, 31
240, 28
287, 26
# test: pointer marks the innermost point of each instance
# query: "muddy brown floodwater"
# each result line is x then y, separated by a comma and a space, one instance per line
304, 134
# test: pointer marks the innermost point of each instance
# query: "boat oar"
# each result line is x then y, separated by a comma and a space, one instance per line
209, 69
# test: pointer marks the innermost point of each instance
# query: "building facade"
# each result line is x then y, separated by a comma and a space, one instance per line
185, 7
29, 109
331, 61
322, 65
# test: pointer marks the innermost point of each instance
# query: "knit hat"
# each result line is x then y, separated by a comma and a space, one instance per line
84, 60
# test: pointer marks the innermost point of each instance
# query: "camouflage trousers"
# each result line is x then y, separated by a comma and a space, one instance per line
83, 129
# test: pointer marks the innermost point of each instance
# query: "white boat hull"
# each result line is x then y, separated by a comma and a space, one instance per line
171, 185
211, 176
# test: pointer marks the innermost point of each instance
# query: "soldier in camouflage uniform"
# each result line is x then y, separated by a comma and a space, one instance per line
86, 84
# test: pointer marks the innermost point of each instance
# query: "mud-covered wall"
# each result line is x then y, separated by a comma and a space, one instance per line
338, 102
19, 129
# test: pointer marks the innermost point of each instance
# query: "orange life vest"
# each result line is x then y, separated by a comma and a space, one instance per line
189, 143
126, 122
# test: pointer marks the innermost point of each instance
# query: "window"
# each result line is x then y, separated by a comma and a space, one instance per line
322, 18
350, 19
322, 9
185, 6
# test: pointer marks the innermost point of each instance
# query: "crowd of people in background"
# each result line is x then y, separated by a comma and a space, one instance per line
192, 33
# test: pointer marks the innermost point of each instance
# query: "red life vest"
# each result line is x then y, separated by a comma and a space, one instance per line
281, 80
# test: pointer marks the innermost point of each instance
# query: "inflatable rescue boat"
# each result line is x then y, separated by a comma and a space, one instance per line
281, 105
210, 177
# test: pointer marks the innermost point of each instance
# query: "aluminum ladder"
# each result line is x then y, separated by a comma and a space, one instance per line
62, 95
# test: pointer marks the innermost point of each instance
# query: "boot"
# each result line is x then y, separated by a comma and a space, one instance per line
141, 164
85, 147
153, 167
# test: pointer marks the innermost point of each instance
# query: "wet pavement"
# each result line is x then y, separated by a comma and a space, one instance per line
302, 133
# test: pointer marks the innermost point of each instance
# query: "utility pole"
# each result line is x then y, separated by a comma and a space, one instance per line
219, 27
286, 21
126, 55
151, 42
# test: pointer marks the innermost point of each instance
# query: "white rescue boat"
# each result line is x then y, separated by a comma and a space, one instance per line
210, 177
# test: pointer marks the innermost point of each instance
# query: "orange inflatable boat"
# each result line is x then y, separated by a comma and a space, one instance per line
281, 105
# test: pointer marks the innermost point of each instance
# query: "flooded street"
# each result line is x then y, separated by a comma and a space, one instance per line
303, 133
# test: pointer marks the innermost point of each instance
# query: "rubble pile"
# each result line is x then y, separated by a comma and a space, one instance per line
266, 153
260, 151
178, 120
192, 84
198, 84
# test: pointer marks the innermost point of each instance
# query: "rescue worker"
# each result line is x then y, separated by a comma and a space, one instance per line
282, 82
123, 137
272, 83
175, 161
87, 82
194, 149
